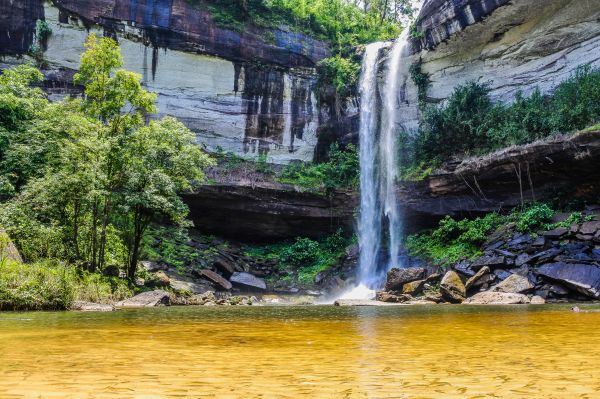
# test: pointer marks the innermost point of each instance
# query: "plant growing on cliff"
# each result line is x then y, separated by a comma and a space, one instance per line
470, 123
340, 171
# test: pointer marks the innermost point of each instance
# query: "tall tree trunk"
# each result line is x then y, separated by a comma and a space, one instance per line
134, 251
94, 261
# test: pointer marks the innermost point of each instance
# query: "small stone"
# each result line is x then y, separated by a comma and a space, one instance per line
464, 267
502, 274
539, 242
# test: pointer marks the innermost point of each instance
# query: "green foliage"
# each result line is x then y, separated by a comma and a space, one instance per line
341, 171
38, 286
97, 288
337, 21
420, 79
170, 245
454, 240
304, 258
535, 216
342, 73
87, 177
42, 30
470, 123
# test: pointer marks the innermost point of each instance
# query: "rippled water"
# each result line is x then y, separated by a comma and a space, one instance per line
302, 352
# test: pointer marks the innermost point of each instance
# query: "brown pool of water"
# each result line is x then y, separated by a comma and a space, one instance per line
303, 352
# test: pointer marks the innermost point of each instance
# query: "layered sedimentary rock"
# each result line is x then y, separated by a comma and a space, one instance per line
251, 92
540, 171
517, 45
269, 211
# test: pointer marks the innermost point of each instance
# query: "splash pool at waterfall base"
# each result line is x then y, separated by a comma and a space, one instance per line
303, 352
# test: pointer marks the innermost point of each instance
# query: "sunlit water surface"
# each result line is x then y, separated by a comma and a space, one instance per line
302, 352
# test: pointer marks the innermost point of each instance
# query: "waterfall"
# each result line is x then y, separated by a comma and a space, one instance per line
379, 167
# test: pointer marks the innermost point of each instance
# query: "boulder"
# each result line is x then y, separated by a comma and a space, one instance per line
496, 298
193, 287
489, 260
557, 233
392, 297
583, 278
501, 274
482, 277
248, 281
515, 284
158, 279
225, 266
396, 278
589, 228
464, 267
413, 288
83, 306
537, 300
216, 279
146, 300
452, 287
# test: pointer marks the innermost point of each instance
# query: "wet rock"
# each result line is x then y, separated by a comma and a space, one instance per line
452, 287
217, 279
537, 300
505, 253
146, 300
496, 298
522, 259
396, 278
225, 266
482, 277
83, 306
248, 281
464, 268
189, 285
539, 242
502, 274
392, 297
514, 284
583, 278
589, 228
490, 261
158, 279
519, 241
413, 288
557, 233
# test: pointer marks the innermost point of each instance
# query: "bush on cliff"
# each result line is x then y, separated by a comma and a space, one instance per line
454, 240
470, 123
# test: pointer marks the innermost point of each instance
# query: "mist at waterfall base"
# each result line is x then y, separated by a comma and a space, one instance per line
379, 221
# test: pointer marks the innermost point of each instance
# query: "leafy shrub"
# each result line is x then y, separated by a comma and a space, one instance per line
341, 73
341, 171
535, 216
301, 252
45, 285
470, 123
94, 287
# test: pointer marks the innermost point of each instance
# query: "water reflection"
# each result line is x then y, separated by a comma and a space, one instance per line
303, 352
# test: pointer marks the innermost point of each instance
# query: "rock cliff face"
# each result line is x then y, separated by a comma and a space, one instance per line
251, 92
516, 45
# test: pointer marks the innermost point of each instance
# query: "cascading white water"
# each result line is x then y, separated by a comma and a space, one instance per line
379, 167
389, 146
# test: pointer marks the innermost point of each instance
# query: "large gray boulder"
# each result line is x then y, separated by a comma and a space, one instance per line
147, 299
216, 278
396, 278
83, 306
583, 278
452, 288
496, 298
515, 284
248, 281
